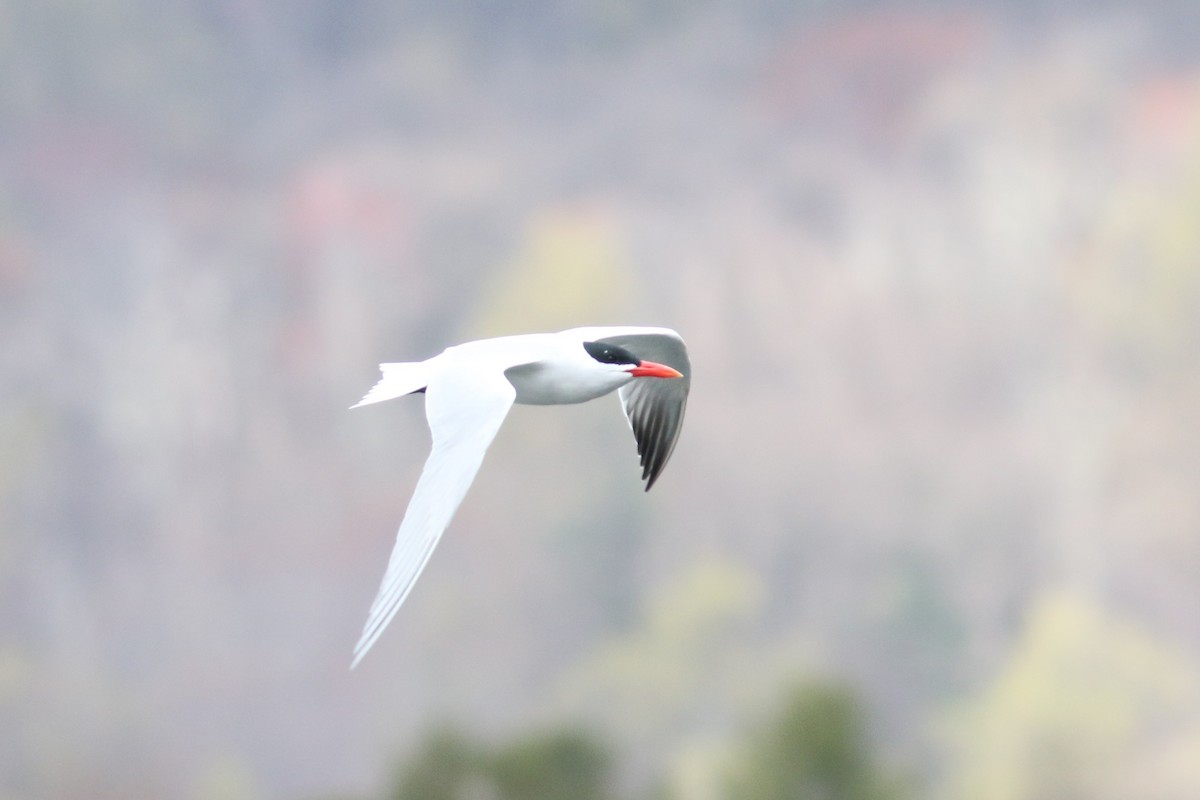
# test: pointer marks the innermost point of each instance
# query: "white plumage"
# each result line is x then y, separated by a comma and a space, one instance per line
469, 389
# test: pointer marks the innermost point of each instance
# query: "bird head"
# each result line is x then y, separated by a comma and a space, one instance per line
622, 360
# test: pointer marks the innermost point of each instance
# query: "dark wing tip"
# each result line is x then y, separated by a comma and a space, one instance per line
650, 482
655, 429
655, 406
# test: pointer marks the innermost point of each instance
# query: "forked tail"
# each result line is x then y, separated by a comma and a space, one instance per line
398, 379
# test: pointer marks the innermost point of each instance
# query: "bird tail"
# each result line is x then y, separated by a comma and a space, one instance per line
398, 379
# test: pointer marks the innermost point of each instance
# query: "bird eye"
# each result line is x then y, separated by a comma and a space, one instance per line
609, 353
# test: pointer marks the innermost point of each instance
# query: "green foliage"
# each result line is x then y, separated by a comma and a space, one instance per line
817, 747
692, 648
556, 765
560, 764
1087, 706
445, 768
645, 680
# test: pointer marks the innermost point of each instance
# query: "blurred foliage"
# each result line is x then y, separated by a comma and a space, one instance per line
697, 638
817, 747
560, 764
228, 778
643, 681
556, 765
1137, 282
572, 268
1087, 706
940, 264
446, 767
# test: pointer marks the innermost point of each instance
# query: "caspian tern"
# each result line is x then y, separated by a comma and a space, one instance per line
468, 392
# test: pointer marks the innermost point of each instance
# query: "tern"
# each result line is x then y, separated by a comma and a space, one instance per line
469, 389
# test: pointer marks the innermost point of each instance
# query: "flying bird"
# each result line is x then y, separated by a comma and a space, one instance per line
468, 391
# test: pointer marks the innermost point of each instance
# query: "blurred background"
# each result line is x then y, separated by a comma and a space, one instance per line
932, 529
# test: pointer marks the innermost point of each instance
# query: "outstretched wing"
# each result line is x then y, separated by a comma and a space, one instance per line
464, 413
655, 406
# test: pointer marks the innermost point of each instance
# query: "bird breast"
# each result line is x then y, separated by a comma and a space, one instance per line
542, 383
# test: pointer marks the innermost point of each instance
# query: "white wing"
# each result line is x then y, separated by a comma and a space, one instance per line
464, 411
